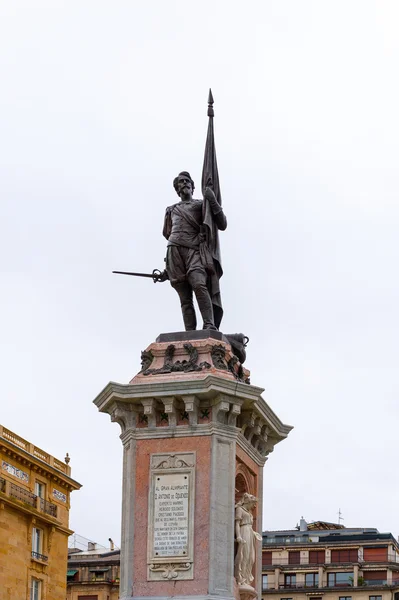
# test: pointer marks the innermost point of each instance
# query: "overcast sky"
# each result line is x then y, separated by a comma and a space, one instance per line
101, 105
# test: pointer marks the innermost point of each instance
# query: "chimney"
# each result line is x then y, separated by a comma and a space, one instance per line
111, 544
303, 526
91, 546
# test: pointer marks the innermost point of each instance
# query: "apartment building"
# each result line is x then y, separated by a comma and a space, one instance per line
326, 561
35, 490
93, 573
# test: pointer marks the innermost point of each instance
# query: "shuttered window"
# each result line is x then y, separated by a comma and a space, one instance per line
339, 556
375, 554
294, 557
317, 557
374, 575
266, 558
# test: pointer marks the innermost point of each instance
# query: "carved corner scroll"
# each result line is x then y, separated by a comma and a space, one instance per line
170, 549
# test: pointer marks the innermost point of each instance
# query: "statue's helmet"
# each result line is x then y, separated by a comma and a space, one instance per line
183, 174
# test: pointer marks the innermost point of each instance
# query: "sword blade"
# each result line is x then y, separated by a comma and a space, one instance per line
134, 274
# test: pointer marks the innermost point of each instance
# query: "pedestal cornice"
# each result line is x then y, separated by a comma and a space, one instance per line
198, 407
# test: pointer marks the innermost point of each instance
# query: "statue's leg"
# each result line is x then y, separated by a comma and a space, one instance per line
185, 292
197, 279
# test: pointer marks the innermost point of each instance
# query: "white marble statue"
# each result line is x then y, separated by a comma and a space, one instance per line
246, 539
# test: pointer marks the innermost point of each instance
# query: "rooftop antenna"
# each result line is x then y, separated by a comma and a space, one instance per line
340, 517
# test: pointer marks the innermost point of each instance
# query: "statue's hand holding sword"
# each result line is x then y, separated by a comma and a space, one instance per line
156, 275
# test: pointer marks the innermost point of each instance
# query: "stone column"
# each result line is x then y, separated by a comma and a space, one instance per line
355, 575
221, 539
321, 577
276, 578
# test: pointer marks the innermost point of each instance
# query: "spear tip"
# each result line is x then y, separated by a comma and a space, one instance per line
210, 104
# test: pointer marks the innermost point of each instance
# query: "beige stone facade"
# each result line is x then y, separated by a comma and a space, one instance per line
35, 492
324, 561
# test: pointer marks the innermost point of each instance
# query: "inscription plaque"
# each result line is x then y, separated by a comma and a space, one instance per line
171, 516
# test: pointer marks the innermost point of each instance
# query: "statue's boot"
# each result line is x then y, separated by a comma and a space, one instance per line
187, 307
205, 306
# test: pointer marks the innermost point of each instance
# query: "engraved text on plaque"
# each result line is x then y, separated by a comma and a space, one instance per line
171, 516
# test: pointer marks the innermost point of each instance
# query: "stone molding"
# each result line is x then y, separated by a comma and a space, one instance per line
185, 408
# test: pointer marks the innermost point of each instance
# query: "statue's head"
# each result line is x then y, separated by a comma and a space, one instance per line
247, 500
183, 184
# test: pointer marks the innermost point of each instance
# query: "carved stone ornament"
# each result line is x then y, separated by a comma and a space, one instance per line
218, 354
172, 462
233, 365
170, 570
184, 366
147, 358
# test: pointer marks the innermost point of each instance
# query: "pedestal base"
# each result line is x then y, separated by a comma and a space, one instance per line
194, 432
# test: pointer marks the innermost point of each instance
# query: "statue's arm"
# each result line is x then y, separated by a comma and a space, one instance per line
238, 518
218, 215
167, 224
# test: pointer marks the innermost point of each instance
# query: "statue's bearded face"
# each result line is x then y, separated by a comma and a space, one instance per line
184, 186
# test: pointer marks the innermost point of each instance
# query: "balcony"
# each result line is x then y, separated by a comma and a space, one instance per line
38, 556
91, 580
269, 563
28, 497
270, 587
48, 507
22, 494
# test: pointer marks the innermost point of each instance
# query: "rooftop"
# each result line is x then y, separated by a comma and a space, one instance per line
16, 440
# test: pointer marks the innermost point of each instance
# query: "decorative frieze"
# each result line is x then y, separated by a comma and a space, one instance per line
11, 470
57, 495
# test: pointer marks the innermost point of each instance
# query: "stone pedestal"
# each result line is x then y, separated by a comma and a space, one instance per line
196, 435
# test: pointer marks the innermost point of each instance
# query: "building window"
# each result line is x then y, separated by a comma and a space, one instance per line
311, 580
375, 577
317, 557
264, 583
37, 540
35, 589
340, 556
339, 579
266, 558
375, 597
294, 557
345, 598
40, 489
290, 580
375, 554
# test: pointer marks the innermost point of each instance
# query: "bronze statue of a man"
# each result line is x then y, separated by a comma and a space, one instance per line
193, 262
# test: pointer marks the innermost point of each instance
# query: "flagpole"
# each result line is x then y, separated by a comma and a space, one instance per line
210, 175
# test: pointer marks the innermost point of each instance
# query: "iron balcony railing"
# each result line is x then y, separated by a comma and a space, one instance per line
303, 585
48, 507
89, 579
39, 556
22, 494
345, 560
30, 498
